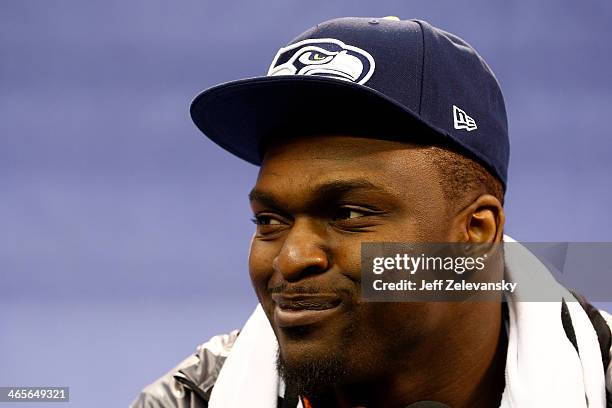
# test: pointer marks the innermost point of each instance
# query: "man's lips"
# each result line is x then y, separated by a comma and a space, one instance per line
302, 310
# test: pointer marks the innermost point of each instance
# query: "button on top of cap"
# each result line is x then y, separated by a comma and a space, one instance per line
374, 21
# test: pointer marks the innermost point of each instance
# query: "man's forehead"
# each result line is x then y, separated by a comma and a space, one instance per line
334, 148
326, 188
338, 163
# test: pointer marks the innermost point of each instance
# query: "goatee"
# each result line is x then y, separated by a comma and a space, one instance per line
311, 377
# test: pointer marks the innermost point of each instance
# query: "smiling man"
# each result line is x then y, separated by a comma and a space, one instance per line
315, 200
377, 130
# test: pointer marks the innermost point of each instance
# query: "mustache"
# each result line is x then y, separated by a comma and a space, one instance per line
293, 289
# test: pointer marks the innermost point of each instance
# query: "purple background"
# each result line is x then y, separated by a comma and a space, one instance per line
124, 232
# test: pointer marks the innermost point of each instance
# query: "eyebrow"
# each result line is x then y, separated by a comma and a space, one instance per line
327, 190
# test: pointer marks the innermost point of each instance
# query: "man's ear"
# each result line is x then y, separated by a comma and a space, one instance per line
482, 221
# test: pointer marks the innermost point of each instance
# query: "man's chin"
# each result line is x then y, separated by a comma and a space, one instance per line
310, 370
313, 357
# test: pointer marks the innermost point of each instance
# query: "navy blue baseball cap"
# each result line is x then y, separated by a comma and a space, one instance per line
371, 77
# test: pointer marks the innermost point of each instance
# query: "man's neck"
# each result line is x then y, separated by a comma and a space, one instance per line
464, 368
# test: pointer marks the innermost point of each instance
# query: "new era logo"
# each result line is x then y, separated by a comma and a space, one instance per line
462, 120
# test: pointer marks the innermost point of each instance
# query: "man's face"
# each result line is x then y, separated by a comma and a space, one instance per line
316, 200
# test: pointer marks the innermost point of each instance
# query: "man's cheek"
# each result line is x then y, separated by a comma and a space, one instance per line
260, 269
258, 280
347, 259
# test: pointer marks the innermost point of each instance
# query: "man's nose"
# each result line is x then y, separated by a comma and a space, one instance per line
304, 252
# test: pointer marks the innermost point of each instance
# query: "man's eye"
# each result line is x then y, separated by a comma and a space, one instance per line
265, 220
348, 213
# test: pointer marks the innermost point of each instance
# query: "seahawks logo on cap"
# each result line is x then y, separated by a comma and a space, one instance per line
326, 57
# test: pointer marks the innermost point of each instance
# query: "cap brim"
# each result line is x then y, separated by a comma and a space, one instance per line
239, 115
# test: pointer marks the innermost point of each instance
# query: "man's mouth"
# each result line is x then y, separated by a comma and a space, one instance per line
303, 310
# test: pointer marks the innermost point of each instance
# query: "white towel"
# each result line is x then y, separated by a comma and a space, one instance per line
248, 377
542, 366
